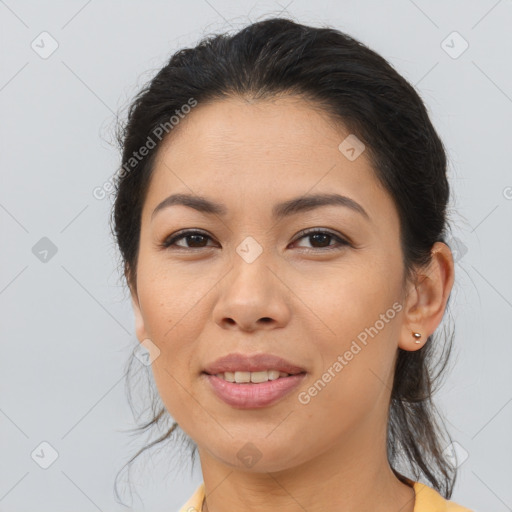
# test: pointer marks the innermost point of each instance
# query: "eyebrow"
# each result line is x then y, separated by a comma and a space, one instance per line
279, 211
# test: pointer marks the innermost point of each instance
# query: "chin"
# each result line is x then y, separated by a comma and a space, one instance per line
258, 456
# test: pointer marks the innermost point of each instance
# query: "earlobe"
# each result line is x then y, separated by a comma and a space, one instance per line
426, 302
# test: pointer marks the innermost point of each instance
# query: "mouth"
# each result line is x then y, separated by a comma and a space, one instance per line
252, 395
242, 377
252, 381
253, 390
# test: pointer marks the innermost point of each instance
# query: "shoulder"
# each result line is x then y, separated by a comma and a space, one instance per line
429, 500
195, 502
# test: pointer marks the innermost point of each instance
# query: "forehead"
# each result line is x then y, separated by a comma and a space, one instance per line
280, 130
263, 151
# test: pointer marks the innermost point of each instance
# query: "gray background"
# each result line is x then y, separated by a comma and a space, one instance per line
67, 326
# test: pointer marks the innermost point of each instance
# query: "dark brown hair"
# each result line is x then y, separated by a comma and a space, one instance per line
360, 89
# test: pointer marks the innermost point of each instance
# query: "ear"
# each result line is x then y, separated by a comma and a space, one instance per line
426, 299
140, 329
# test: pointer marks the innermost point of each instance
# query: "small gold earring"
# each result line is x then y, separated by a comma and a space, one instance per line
417, 335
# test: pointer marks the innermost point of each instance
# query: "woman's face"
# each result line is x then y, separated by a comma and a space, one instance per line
253, 284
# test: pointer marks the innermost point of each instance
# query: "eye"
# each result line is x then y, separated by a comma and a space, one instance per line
323, 237
196, 236
196, 240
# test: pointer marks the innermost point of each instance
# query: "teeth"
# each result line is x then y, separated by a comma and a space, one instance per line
242, 376
255, 377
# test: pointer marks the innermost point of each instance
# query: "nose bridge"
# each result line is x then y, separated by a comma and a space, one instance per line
251, 290
251, 265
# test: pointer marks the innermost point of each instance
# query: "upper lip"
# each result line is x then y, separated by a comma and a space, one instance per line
251, 363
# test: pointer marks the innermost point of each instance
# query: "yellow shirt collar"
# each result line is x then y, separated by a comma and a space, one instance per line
427, 499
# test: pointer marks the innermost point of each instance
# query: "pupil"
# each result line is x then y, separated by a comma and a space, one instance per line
195, 237
324, 236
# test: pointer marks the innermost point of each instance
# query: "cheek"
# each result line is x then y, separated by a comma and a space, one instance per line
356, 301
352, 383
172, 324
359, 315
172, 299
173, 312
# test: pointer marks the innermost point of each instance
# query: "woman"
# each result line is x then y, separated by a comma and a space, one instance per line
281, 217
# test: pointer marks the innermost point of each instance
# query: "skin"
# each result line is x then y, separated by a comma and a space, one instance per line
197, 304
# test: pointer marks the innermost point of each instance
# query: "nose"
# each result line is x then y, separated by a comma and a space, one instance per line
252, 296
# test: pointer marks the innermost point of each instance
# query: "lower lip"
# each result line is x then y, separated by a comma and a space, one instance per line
253, 395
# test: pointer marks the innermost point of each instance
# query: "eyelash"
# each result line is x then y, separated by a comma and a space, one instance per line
168, 242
